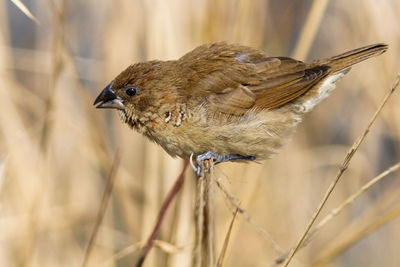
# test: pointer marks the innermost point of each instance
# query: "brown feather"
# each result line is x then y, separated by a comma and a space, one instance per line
347, 59
274, 81
280, 95
236, 102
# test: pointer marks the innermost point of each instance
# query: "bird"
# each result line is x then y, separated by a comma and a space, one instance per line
224, 102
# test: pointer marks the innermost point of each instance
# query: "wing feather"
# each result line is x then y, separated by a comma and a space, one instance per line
233, 101
234, 78
270, 97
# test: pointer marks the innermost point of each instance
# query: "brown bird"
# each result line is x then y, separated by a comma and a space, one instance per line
222, 101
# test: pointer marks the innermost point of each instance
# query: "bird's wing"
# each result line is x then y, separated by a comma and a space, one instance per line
240, 78
235, 101
286, 85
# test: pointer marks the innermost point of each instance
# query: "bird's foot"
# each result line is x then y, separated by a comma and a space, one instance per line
217, 158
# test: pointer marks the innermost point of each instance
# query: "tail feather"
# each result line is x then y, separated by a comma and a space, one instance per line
347, 59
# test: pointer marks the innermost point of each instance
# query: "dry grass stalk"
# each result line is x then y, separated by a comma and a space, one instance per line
342, 206
57, 62
123, 253
164, 246
387, 201
226, 241
349, 201
25, 10
342, 169
204, 251
356, 236
234, 201
166, 204
310, 29
102, 209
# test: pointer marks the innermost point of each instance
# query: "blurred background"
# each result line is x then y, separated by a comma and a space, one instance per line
56, 149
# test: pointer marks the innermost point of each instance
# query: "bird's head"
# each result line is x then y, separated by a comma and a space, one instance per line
132, 91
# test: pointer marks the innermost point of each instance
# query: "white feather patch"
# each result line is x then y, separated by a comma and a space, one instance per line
242, 57
324, 91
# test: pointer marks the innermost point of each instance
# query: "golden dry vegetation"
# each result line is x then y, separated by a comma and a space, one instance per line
56, 149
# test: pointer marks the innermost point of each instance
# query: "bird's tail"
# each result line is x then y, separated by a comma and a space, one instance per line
347, 59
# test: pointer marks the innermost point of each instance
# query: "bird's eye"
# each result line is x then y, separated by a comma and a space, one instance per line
131, 91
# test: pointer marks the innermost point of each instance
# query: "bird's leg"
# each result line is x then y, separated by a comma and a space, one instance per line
217, 158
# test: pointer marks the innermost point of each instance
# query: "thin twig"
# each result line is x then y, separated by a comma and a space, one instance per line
170, 196
343, 168
103, 206
226, 242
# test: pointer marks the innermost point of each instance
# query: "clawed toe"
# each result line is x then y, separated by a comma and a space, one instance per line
197, 169
216, 159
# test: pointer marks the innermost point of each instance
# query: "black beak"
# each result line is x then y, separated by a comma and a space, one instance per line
108, 99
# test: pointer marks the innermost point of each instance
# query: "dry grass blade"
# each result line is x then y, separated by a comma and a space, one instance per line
226, 242
310, 29
164, 246
25, 10
103, 206
343, 168
387, 201
170, 196
57, 62
123, 253
355, 237
341, 207
235, 203
350, 200
46, 129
